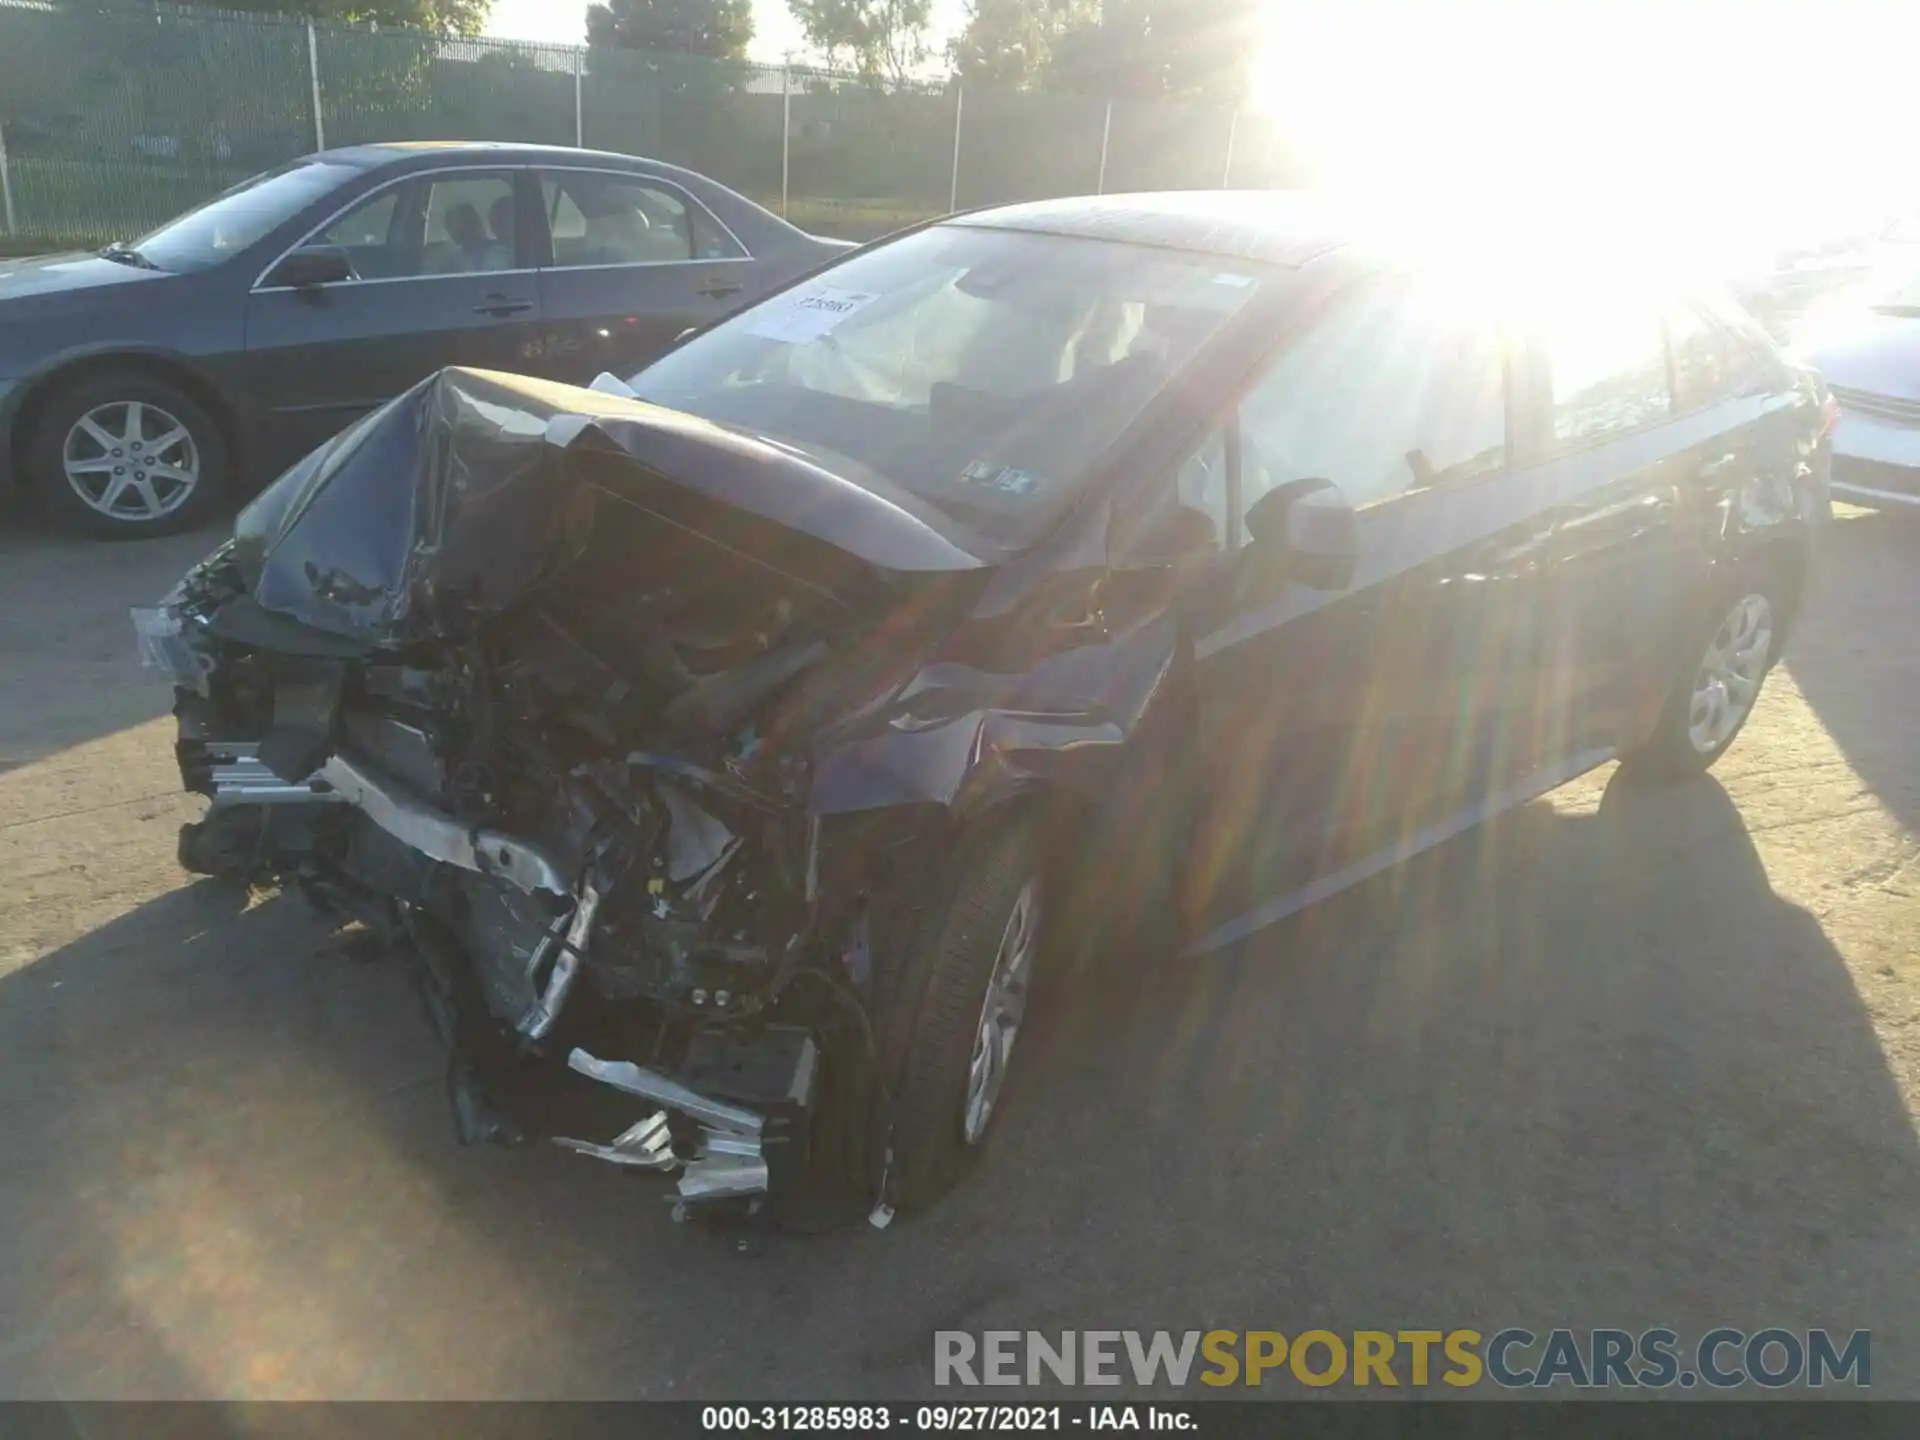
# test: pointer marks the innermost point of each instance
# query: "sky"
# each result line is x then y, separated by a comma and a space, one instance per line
1752, 121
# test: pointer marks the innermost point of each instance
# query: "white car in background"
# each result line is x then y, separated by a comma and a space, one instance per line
1867, 349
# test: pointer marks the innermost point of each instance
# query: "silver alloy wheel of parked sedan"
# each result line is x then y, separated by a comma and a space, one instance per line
131, 461
1730, 673
1001, 1010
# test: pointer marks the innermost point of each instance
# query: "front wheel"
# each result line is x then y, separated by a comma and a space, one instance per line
1712, 700
126, 455
952, 1004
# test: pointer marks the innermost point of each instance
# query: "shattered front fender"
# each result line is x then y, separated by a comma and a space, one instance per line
965, 739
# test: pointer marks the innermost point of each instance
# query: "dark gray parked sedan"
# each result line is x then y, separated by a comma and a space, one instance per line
140, 383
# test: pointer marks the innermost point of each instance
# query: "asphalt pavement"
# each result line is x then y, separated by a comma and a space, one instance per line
1625, 1058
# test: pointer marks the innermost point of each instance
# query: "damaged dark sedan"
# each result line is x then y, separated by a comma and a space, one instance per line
728, 746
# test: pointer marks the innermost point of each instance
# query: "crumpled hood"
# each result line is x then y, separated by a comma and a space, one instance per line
1874, 353
452, 501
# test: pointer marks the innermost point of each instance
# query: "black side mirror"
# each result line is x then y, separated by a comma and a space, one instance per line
313, 265
1306, 530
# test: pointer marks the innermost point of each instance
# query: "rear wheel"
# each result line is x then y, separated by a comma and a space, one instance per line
125, 455
952, 1003
1712, 700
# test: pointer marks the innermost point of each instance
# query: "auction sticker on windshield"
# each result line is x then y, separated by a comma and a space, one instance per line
807, 313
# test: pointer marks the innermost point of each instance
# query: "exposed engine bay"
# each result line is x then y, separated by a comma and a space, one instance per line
538, 824
637, 774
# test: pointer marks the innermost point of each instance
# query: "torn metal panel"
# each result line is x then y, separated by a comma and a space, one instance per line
565, 954
723, 1177
239, 777
647, 1145
663, 1090
439, 835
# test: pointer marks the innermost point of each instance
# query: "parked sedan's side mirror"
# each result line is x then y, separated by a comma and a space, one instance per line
1306, 531
313, 265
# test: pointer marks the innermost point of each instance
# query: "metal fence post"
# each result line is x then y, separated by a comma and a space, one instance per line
313, 75
953, 182
1106, 132
6, 185
786, 133
579, 100
1226, 170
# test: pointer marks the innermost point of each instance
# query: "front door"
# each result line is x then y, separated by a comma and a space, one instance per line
632, 262
440, 280
1340, 730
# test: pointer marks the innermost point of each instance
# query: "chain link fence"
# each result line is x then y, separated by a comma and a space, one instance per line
113, 121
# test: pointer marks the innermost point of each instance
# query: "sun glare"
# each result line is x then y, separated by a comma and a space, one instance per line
1722, 133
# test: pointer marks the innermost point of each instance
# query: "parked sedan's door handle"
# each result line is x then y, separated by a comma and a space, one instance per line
719, 289
501, 306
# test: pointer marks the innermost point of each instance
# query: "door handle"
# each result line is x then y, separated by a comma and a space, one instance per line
501, 306
719, 289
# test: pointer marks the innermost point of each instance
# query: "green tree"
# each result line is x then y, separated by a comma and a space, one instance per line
442, 17
883, 39
717, 29
1009, 43
1159, 49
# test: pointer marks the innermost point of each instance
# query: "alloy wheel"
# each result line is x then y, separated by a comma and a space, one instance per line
1001, 1011
1728, 680
131, 461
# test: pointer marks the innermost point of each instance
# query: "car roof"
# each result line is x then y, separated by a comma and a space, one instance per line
387, 152
1288, 228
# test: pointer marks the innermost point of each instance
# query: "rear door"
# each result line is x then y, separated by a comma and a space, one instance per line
431, 290
1652, 420
630, 261
1600, 449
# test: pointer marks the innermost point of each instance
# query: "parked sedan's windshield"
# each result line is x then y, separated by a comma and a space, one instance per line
984, 370
230, 222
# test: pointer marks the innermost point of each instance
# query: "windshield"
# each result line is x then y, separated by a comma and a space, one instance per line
984, 370
215, 232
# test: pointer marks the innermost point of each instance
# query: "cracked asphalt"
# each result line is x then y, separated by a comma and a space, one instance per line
1625, 1058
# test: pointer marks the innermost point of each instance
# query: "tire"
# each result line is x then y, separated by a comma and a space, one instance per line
89, 426
930, 1006
1683, 742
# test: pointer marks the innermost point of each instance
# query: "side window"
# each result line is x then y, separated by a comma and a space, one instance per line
710, 239
1396, 390
1608, 363
469, 224
368, 224
603, 219
1703, 360
1755, 361
369, 235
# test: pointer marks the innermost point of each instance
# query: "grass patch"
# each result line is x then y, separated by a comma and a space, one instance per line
854, 219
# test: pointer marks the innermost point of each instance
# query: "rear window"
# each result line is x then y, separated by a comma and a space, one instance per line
1705, 360
1608, 364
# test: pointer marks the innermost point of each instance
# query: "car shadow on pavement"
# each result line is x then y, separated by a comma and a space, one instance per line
1856, 658
1582, 1069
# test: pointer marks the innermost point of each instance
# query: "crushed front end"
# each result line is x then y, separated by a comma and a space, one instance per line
546, 738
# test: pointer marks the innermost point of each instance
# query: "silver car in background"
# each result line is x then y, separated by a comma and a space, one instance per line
1867, 349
